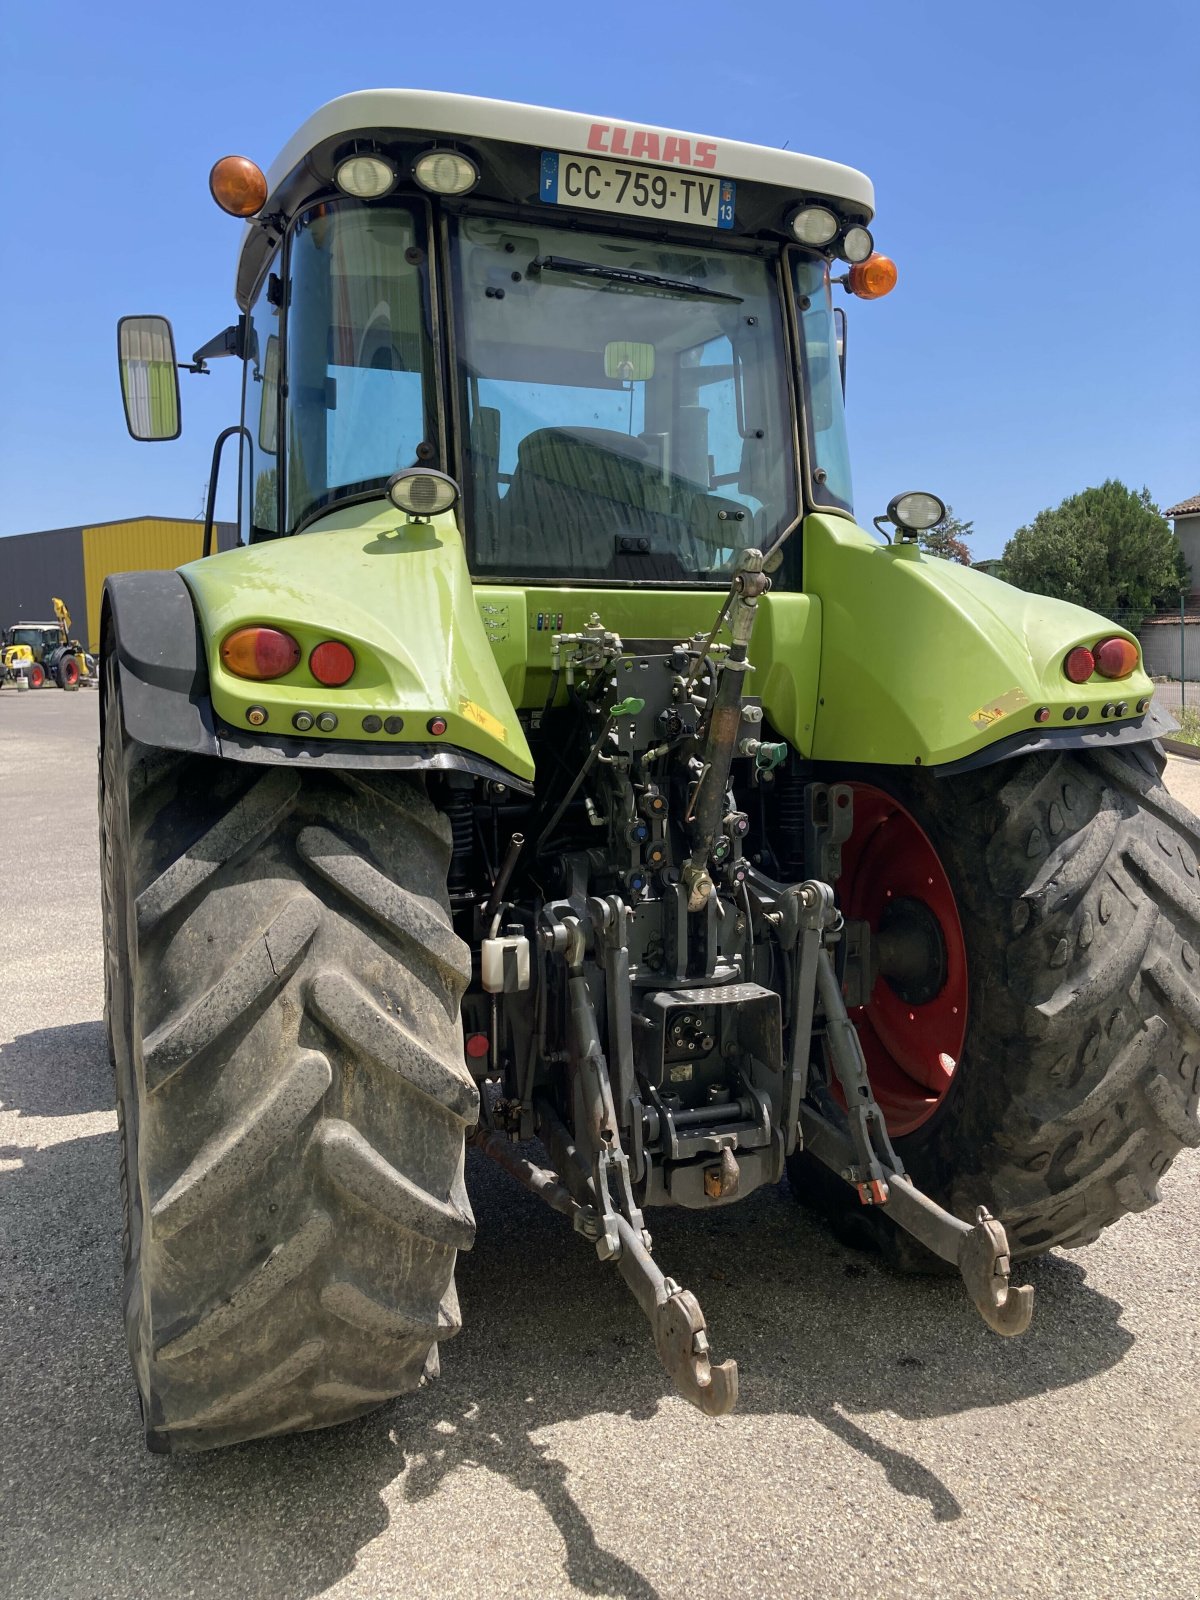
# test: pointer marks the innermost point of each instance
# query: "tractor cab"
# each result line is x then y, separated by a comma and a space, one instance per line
619, 340
37, 637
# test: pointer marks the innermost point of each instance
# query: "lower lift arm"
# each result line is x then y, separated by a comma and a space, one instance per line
864, 1157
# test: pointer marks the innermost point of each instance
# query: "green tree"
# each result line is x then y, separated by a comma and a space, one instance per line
947, 538
1107, 549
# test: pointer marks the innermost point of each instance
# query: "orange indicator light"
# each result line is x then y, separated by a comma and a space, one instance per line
873, 278
258, 652
1115, 658
238, 186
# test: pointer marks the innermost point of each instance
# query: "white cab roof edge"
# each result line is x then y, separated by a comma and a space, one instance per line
472, 117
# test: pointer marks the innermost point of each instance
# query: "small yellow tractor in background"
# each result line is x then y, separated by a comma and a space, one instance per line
35, 653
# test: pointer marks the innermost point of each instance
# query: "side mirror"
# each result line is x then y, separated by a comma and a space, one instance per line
149, 377
268, 409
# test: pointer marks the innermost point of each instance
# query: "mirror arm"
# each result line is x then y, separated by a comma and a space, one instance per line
226, 343
213, 473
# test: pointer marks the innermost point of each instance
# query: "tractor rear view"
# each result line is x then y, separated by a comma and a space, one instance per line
557, 760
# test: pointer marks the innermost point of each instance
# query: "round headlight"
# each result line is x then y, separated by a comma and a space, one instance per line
365, 177
814, 225
421, 492
916, 511
446, 172
857, 244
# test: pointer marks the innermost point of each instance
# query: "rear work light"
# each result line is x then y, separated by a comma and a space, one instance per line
259, 652
332, 663
1115, 658
1080, 664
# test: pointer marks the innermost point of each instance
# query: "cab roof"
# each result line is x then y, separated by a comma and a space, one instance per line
307, 158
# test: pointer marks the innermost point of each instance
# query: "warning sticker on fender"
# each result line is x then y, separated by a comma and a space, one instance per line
484, 719
987, 715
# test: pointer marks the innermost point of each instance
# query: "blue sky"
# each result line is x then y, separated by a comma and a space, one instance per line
1036, 173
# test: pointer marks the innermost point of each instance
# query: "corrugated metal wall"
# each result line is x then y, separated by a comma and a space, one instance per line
34, 567
139, 546
74, 562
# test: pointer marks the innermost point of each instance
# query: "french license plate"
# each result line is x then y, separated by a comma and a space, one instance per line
637, 191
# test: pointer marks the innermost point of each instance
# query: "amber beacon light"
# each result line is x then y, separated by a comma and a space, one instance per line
238, 186
873, 278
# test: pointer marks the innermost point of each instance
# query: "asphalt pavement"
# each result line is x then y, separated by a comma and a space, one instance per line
886, 1443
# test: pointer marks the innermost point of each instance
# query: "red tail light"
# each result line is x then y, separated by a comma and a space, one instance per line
1115, 658
259, 652
332, 663
1080, 664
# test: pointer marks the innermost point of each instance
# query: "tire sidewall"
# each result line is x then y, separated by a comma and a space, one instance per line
120, 923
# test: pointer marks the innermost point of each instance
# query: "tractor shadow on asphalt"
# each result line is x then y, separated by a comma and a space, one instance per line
52, 1072
550, 1338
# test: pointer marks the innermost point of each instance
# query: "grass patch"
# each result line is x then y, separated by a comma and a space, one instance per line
1189, 726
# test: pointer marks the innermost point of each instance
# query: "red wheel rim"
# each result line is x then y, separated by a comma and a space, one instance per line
912, 1048
71, 671
36, 677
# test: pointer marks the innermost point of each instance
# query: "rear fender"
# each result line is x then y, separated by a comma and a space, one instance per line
398, 594
928, 663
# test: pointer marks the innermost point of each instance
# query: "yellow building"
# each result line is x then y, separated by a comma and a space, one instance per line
74, 562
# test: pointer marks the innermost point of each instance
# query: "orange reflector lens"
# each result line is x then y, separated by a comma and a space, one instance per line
1079, 665
872, 278
257, 652
1115, 658
238, 186
332, 663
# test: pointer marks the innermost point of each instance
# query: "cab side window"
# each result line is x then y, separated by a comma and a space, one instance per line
259, 508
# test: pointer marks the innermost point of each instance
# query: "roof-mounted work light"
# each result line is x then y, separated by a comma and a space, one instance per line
857, 244
814, 225
365, 176
446, 172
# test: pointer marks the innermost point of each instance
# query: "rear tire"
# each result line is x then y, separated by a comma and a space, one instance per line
283, 989
1076, 883
66, 672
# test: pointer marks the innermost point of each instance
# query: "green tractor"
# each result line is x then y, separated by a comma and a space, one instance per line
558, 767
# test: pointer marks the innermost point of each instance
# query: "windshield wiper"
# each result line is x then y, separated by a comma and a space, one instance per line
630, 275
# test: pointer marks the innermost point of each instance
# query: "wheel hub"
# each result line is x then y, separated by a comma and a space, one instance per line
911, 950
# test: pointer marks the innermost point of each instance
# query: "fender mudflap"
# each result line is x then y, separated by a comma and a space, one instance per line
151, 623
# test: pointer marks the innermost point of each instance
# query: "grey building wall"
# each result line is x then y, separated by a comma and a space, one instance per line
1187, 531
34, 567
1171, 648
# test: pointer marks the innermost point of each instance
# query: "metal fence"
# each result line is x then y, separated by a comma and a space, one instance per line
1170, 641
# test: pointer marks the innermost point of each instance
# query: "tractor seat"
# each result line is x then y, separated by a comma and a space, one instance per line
574, 490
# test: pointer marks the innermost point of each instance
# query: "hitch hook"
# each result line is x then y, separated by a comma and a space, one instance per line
983, 1261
